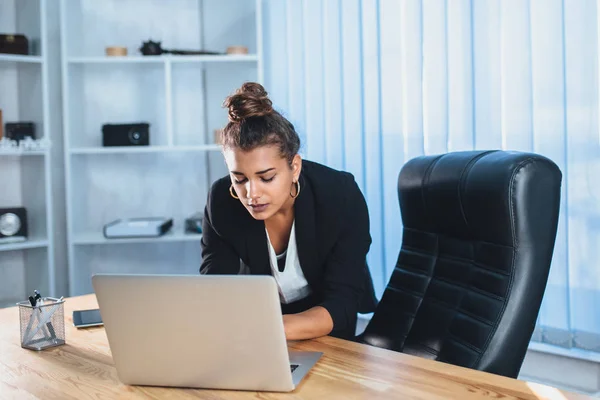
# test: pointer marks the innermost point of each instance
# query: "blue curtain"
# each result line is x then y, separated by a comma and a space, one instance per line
370, 84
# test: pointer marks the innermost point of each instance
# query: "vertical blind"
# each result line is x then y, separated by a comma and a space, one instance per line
369, 84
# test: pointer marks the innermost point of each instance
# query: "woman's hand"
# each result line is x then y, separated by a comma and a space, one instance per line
309, 324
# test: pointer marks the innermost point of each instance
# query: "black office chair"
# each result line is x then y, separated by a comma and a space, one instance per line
479, 232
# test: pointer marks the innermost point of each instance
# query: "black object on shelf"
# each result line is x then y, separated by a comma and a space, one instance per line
193, 224
135, 134
19, 130
151, 48
14, 44
13, 224
137, 227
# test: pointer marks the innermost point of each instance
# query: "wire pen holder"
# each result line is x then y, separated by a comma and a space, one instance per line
42, 324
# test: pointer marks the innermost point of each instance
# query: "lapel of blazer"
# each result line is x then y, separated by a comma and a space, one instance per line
306, 240
256, 247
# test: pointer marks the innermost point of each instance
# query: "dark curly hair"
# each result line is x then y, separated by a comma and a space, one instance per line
253, 123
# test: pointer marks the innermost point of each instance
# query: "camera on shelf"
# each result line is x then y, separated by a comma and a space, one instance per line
19, 130
14, 44
134, 134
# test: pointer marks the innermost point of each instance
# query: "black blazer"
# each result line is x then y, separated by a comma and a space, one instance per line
332, 236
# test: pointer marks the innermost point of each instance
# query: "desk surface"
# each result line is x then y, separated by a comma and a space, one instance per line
83, 368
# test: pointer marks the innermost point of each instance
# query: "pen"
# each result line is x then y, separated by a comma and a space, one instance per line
32, 318
48, 330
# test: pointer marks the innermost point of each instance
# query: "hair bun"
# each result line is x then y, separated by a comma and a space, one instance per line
250, 100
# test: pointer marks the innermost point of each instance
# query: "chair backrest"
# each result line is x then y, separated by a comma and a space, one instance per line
478, 235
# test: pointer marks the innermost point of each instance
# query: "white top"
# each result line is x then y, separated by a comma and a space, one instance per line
291, 282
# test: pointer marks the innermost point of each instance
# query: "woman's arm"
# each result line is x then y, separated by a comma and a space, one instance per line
345, 274
343, 277
314, 322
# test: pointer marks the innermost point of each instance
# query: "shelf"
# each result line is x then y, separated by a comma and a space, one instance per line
28, 244
180, 96
161, 59
223, 58
175, 235
144, 149
116, 60
18, 152
20, 59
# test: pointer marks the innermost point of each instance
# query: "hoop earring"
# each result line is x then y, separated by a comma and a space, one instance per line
297, 190
232, 193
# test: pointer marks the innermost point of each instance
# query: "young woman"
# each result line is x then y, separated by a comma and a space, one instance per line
305, 224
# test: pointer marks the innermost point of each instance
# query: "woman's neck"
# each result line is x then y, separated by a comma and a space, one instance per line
285, 212
285, 215
279, 228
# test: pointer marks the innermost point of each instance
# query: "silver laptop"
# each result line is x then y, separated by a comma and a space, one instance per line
199, 331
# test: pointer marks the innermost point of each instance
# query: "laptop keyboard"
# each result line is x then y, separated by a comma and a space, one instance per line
294, 366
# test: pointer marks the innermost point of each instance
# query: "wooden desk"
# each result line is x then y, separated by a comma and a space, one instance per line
83, 368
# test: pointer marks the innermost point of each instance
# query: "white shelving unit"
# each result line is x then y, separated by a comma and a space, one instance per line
179, 96
22, 152
145, 149
165, 59
31, 243
175, 235
26, 178
21, 59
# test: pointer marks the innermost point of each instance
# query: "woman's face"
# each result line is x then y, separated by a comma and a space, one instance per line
262, 179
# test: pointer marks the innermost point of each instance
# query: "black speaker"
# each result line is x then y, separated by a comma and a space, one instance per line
13, 224
19, 130
126, 134
14, 44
